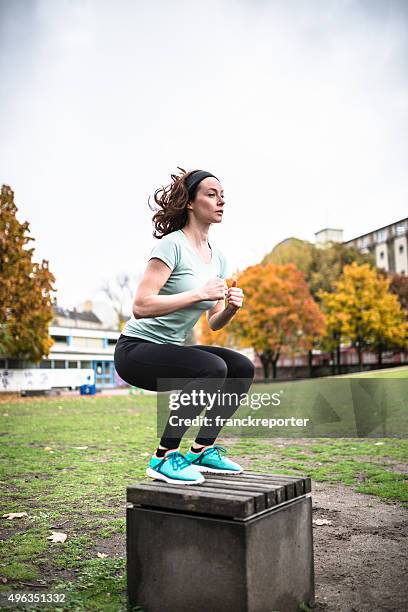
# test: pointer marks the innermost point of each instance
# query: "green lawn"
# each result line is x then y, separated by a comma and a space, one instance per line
399, 372
67, 462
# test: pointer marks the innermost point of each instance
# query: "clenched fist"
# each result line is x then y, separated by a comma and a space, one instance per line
214, 289
235, 296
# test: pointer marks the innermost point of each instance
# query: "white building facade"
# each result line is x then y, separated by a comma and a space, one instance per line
80, 341
389, 245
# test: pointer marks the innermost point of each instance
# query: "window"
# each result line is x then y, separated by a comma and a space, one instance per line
14, 364
381, 235
401, 248
89, 342
400, 229
59, 338
59, 363
72, 364
382, 255
86, 364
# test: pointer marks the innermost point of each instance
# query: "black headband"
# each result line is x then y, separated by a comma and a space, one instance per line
196, 177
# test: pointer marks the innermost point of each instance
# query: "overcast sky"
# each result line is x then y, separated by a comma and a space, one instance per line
299, 107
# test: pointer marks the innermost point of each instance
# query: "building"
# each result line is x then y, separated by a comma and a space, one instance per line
388, 244
328, 235
81, 340
103, 310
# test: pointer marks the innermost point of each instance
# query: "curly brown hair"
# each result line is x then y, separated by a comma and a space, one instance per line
172, 212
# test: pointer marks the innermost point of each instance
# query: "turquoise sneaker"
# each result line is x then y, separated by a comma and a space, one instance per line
173, 468
210, 460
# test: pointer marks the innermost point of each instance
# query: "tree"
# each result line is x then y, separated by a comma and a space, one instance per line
120, 295
322, 266
328, 264
399, 286
278, 314
293, 250
364, 312
25, 302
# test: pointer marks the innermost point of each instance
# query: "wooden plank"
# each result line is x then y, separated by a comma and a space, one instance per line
225, 489
163, 496
299, 482
258, 496
228, 490
241, 485
281, 491
302, 484
290, 489
307, 483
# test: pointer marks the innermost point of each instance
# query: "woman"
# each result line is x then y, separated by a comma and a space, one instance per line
184, 277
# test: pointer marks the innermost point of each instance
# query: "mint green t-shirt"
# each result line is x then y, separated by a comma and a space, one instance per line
188, 272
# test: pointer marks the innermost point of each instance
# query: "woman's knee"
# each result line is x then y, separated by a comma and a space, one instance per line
243, 368
215, 367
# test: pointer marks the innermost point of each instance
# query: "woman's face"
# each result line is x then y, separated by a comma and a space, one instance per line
209, 201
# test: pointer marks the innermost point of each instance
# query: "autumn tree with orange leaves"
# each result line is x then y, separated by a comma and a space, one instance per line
278, 315
25, 302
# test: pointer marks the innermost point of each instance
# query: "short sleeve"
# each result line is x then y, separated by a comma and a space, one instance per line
167, 251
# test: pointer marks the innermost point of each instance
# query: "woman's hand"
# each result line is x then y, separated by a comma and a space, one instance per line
234, 297
214, 289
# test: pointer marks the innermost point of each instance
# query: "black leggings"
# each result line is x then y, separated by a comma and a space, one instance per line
141, 363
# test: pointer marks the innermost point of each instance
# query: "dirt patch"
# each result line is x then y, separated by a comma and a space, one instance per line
361, 559
114, 546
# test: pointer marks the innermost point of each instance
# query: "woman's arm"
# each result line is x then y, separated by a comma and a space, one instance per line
148, 303
219, 319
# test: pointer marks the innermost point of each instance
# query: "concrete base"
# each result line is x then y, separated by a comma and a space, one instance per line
178, 562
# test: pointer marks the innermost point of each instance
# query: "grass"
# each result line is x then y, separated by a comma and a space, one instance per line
67, 463
399, 372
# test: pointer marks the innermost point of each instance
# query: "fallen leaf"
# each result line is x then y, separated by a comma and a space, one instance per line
13, 515
3, 579
322, 522
48, 448
57, 537
81, 447
101, 555
6, 414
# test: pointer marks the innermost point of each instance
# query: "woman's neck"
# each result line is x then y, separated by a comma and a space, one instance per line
197, 235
